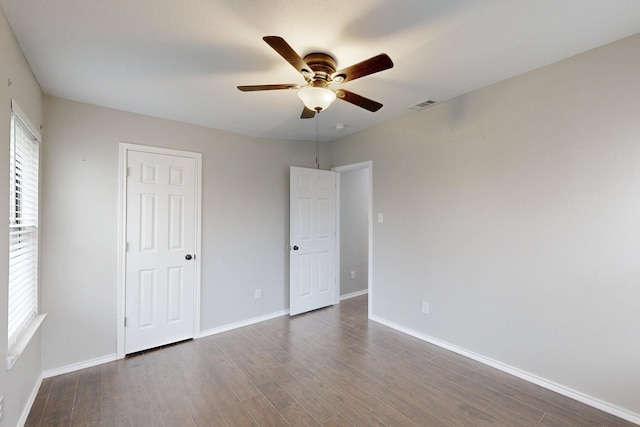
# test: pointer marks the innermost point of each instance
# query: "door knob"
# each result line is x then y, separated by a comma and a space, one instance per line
188, 257
295, 248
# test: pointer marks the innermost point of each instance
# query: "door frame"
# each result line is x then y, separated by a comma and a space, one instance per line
345, 169
124, 148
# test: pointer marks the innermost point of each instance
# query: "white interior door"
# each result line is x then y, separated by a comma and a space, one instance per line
160, 259
312, 254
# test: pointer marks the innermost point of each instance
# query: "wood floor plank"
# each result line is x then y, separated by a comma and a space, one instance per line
305, 397
525, 392
37, 409
204, 412
226, 370
340, 400
345, 382
201, 380
297, 416
86, 410
170, 393
331, 367
471, 413
221, 394
124, 399
58, 410
264, 413
512, 416
338, 421
386, 371
276, 395
550, 421
408, 403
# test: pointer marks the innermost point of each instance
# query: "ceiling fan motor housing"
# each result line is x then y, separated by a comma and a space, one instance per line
323, 66
319, 71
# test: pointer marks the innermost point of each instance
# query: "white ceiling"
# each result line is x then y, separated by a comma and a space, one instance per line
182, 59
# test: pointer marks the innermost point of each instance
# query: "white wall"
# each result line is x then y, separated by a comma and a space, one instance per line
18, 383
354, 230
245, 219
515, 212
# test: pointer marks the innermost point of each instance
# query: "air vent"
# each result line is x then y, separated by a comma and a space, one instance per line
422, 105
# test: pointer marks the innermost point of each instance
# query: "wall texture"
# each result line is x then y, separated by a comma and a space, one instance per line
245, 217
514, 211
16, 82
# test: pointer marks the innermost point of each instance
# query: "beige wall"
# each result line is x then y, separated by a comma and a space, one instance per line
16, 384
515, 212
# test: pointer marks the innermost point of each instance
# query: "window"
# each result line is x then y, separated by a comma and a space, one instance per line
23, 225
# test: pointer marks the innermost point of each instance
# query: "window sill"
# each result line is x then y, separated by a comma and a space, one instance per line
16, 349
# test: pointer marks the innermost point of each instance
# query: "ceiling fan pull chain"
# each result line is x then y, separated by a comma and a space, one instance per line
317, 141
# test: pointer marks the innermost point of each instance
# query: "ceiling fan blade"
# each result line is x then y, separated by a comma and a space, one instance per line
307, 113
360, 101
364, 68
291, 56
267, 87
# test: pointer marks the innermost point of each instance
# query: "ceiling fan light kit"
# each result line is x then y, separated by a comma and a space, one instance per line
316, 98
319, 71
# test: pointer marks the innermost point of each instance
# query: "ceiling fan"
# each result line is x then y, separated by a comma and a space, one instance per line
319, 70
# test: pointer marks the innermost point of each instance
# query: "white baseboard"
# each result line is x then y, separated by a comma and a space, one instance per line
550, 385
542, 382
32, 398
242, 323
202, 334
354, 294
80, 365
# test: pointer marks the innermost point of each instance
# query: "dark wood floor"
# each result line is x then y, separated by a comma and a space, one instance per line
331, 367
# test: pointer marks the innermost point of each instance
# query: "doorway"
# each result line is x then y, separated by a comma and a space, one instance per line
355, 229
159, 268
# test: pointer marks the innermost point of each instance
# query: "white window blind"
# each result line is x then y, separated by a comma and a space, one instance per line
23, 224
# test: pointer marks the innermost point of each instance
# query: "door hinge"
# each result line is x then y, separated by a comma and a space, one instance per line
125, 322
128, 171
126, 247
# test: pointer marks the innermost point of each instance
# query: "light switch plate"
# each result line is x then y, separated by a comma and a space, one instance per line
425, 307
